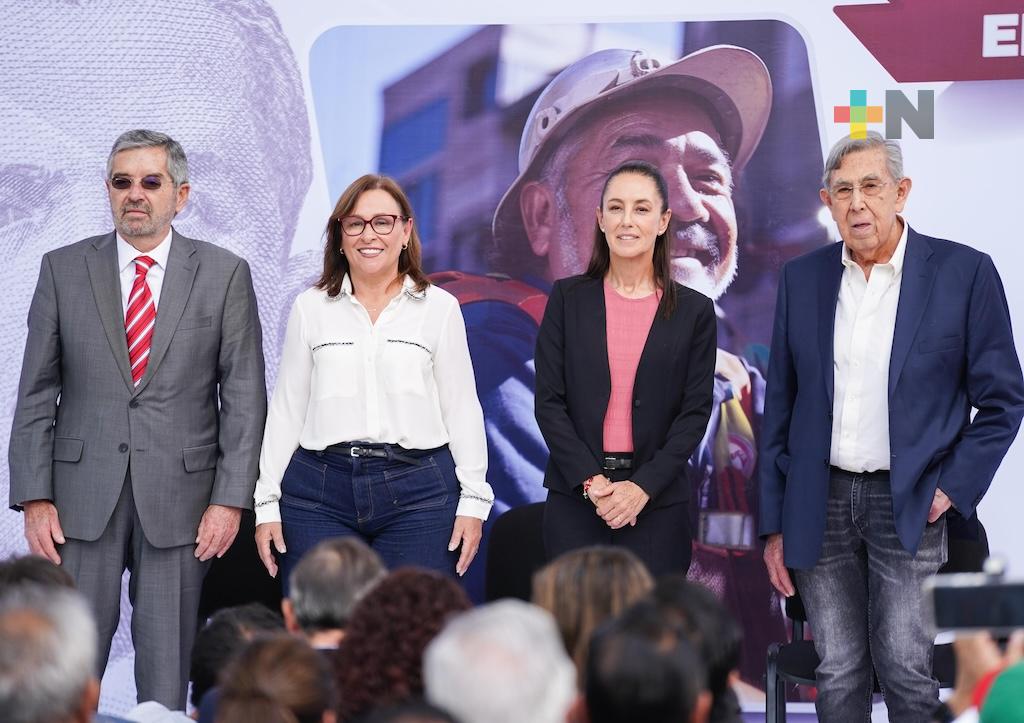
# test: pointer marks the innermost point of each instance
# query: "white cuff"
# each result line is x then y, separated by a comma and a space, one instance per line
473, 507
267, 511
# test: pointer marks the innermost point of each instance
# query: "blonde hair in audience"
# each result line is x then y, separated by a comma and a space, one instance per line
585, 587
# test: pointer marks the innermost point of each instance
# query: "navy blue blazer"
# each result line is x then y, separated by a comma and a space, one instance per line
672, 392
952, 350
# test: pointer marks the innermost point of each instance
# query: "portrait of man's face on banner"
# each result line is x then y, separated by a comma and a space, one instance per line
503, 135
221, 79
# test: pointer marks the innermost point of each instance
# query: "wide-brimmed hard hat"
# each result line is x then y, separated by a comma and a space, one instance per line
732, 80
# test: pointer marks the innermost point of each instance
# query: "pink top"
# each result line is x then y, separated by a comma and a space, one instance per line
628, 323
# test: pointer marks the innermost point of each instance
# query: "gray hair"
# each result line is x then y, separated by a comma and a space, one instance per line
329, 580
847, 145
48, 648
177, 164
500, 663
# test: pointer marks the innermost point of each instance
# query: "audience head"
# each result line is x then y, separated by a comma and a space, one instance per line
640, 667
325, 585
32, 569
585, 587
224, 635
48, 649
277, 679
380, 659
711, 630
501, 663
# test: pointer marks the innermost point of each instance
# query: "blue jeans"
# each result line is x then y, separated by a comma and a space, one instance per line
865, 606
403, 511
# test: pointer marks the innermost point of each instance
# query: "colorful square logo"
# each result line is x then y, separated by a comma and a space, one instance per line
858, 114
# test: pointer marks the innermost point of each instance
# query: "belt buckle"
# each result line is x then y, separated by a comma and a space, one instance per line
354, 451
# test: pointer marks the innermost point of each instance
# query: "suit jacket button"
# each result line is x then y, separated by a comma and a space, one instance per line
636, 402
133, 403
122, 448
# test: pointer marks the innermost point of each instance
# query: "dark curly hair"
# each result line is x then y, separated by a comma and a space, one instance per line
380, 660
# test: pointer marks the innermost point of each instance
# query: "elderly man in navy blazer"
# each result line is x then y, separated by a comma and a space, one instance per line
882, 346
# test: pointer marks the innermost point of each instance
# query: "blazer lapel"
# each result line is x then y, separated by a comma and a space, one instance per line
828, 296
101, 262
659, 338
174, 292
915, 288
594, 315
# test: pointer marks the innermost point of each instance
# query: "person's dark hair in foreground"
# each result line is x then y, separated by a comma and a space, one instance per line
641, 668
224, 635
380, 659
713, 633
32, 568
413, 711
277, 679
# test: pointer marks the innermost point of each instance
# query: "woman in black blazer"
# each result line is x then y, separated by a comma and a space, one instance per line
626, 357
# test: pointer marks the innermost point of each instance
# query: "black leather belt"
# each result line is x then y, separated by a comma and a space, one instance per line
617, 461
373, 449
881, 475
354, 451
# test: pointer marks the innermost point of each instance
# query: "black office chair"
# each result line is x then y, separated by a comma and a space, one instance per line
515, 551
795, 662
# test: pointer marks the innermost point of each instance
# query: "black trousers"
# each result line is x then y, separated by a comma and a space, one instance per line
661, 537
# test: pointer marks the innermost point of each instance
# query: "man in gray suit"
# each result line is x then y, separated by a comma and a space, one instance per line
140, 411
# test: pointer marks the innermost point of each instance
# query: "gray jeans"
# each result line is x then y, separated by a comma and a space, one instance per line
865, 606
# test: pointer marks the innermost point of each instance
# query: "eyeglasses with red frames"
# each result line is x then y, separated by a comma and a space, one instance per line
382, 223
148, 183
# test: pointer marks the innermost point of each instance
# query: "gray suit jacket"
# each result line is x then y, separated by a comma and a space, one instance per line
190, 431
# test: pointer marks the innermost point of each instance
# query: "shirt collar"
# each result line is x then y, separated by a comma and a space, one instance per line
126, 253
408, 288
896, 261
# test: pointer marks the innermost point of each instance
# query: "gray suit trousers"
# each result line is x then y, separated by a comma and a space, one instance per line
164, 588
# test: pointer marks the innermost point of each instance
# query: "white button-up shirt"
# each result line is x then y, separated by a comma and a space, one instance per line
126, 255
862, 345
406, 379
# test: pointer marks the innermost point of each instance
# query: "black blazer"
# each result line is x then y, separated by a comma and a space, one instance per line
671, 395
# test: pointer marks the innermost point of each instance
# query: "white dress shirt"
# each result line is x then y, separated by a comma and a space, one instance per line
126, 255
406, 379
864, 325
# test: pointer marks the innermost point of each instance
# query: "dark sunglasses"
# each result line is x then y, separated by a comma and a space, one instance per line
149, 183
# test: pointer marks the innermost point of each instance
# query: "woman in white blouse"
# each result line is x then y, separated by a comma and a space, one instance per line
374, 429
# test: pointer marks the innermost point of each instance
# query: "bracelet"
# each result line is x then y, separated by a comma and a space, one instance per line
587, 484
478, 498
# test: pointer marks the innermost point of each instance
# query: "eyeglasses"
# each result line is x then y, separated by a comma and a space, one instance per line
870, 189
383, 223
149, 183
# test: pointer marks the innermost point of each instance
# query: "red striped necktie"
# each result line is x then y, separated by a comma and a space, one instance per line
139, 319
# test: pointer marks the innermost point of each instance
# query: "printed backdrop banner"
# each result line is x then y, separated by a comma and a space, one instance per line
279, 106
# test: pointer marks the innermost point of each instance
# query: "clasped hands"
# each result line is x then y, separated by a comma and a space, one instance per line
617, 503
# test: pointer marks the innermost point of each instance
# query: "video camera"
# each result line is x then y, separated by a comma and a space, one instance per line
976, 601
